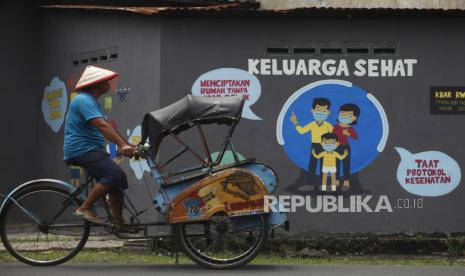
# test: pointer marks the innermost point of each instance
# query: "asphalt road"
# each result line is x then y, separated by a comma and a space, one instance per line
17, 269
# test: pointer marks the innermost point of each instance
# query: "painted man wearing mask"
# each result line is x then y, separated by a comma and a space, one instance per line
318, 127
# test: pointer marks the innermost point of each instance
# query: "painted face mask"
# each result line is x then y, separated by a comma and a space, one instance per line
320, 116
329, 147
344, 120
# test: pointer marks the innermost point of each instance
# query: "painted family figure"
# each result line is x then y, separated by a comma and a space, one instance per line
330, 148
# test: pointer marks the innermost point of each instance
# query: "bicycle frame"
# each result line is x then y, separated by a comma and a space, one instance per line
131, 209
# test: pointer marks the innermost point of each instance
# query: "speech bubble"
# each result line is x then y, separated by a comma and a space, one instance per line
429, 173
54, 104
226, 82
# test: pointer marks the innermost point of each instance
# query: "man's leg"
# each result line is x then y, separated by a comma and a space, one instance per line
311, 169
117, 202
313, 163
110, 179
97, 192
311, 177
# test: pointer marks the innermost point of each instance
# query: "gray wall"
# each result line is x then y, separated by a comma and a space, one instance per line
192, 47
19, 55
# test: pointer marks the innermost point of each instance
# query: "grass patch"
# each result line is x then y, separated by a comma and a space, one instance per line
115, 256
112, 256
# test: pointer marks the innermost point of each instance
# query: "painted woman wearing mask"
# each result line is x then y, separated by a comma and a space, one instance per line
348, 116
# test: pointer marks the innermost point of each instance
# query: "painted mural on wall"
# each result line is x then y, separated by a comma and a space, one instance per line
332, 129
138, 166
55, 104
108, 103
123, 94
226, 82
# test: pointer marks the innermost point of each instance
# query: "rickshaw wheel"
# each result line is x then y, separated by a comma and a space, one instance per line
223, 242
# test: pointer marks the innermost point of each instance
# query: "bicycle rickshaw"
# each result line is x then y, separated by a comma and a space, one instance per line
215, 210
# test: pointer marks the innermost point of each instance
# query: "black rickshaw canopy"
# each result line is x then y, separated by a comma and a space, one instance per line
187, 112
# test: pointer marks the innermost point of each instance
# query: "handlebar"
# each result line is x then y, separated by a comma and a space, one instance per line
141, 151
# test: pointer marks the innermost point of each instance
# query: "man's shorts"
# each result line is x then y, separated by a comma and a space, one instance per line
328, 170
99, 165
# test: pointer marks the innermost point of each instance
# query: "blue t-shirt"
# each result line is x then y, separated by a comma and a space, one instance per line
80, 135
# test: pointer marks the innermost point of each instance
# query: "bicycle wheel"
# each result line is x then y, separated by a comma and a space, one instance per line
29, 235
223, 242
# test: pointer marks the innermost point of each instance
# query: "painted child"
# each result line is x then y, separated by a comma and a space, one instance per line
348, 116
318, 127
329, 143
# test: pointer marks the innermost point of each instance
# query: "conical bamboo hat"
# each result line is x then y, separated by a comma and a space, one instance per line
93, 75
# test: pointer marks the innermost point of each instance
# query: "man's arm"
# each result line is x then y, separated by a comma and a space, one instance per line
300, 130
111, 134
304, 129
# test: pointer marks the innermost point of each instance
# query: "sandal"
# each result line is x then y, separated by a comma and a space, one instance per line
87, 215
